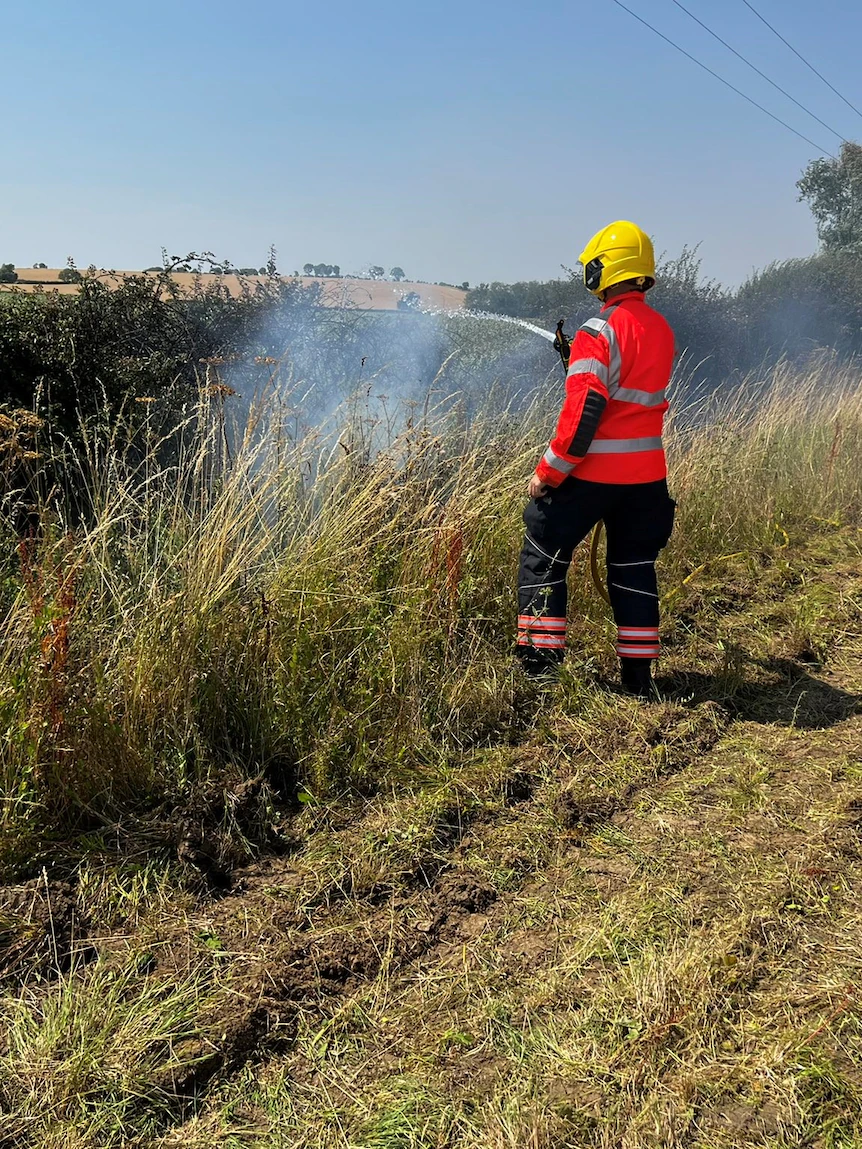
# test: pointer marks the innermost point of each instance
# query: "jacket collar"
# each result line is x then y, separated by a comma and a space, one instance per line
634, 294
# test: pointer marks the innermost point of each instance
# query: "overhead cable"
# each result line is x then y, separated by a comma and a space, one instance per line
722, 80
754, 68
807, 63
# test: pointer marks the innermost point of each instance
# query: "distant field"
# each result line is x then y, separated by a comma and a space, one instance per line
374, 295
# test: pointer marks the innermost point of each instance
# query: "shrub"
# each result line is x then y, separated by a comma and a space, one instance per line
541, 303
411, 301
789, 309
87, 355
795, 307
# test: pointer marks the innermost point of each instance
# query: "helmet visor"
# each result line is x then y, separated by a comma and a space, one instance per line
593, 274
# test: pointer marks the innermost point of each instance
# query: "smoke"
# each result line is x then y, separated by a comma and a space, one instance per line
325, 362
549, 335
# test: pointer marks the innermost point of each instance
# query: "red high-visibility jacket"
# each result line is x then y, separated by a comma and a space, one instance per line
610, 427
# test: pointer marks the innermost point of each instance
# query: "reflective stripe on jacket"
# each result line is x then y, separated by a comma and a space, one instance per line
610, 427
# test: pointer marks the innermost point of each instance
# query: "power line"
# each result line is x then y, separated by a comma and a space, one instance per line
754, 68
802, 58
722, 80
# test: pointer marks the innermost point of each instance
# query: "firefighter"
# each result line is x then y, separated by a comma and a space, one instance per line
605, 462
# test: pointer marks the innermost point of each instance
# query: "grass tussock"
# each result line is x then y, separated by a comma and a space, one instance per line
92, 1057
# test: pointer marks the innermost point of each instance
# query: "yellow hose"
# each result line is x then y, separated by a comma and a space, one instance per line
594, 562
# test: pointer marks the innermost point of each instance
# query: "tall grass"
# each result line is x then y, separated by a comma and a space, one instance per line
774, 455
337, 610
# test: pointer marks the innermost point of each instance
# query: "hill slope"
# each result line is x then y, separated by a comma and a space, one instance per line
365, 294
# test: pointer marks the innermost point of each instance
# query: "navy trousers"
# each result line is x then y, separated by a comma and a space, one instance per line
638, 519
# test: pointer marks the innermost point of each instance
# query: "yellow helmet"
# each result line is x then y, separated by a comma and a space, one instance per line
618, 252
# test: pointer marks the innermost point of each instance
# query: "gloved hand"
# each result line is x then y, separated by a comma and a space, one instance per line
562, 344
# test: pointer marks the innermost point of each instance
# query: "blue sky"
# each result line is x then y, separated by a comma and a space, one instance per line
464, 140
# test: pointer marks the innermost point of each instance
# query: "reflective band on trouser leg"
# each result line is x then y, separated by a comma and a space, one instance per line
544, 641
545, 632
638, 642
538, 622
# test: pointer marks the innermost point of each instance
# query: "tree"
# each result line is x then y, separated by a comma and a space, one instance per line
308, 269
249, 271
541, 302
8, 274
69, 275
376, 272
833, 191
336, 270
40, 266
397, 273
412, 301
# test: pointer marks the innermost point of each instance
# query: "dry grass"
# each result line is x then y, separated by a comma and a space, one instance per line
506, 917
340, 614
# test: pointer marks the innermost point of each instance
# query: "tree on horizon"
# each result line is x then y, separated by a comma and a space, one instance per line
832, 188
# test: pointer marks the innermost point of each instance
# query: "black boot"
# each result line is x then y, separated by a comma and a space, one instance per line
538, 664
636, 676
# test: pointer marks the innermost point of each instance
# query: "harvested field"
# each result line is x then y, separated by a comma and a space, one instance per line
364, 294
